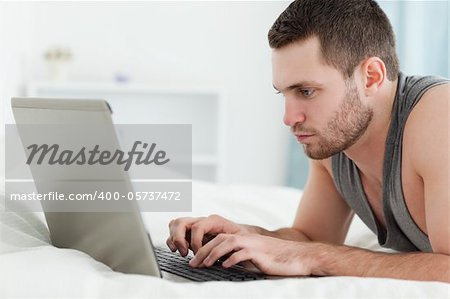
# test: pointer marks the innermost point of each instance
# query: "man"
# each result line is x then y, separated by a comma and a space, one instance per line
378, 146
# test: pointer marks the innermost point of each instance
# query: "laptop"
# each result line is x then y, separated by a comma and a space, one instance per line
117, 239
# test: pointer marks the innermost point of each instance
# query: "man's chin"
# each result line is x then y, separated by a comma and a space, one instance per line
317, 154
318, 157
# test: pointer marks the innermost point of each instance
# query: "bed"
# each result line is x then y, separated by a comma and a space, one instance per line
33, 268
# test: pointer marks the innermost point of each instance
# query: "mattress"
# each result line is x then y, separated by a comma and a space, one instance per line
32, 268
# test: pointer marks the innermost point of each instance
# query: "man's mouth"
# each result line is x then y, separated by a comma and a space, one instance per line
303, 137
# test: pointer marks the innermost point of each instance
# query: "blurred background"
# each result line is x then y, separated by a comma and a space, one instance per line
205, 63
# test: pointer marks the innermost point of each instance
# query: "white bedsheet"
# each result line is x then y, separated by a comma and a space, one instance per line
32, 268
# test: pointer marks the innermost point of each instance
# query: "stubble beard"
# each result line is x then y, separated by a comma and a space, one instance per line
345, 128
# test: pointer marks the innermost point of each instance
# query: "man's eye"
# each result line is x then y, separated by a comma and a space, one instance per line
306, 92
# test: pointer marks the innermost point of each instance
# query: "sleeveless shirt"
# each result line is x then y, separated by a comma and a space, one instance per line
401, 232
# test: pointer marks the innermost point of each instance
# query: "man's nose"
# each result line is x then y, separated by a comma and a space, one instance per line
293, 113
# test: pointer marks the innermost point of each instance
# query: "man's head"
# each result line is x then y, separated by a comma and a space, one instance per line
318, 46
348, 30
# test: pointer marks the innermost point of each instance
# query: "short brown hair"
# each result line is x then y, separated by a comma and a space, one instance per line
348, 30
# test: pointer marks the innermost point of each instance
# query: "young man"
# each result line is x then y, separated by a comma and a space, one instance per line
378, 146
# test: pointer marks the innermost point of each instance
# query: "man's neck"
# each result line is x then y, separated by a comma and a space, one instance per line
368, 152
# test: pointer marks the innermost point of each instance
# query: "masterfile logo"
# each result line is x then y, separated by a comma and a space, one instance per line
143, 151
52, 155
98, 168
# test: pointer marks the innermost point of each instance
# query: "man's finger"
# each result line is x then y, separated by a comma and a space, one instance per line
178, 228
203, 252
212, 251
199, 230
170, 244
237, 257
229, 244
205, 230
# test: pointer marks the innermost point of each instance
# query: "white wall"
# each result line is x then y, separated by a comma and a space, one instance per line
217, 43
14, 50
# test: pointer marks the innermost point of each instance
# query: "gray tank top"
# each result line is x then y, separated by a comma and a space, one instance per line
401, 231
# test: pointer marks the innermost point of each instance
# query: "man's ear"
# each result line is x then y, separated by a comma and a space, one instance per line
373, 74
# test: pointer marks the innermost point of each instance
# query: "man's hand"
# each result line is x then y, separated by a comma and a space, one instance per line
274, 256
192, 233
271, 256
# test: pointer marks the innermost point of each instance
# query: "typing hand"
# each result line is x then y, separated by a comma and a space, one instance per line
272, 256
192, 233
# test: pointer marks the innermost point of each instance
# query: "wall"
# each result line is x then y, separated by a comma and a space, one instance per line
216, 43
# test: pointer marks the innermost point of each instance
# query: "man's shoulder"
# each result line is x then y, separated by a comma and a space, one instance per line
434, 102
426, 129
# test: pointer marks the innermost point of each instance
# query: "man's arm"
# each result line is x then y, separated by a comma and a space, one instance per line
292, 258
427, 131
351, 261
322, 214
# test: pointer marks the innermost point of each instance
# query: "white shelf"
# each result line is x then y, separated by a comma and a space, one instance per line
205, 160
201, 106
39, 87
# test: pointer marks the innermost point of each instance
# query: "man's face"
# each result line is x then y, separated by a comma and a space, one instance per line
323, 109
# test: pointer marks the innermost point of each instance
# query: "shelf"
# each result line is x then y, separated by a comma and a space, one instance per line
38, 87
138, 103
205, 160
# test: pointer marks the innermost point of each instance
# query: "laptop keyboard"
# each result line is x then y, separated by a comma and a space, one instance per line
174, 263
